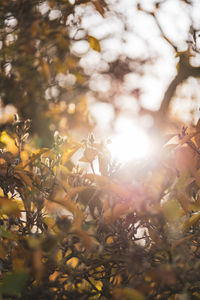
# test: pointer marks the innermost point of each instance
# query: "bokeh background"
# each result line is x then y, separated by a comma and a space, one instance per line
101, 66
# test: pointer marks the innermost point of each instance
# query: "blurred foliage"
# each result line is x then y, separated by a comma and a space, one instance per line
42, 74
68, 233
37, 63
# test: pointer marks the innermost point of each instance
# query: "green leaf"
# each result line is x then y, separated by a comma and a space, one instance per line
14, 283
172, 209
94, 43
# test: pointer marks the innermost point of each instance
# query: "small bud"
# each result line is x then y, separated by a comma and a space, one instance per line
27, 124
16, 143
56, 135
16, 118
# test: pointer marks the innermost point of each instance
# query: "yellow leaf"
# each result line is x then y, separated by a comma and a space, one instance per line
50, 222
109, 240
73, 262
9, 142
172, 209
69, 153
127, 294
10, 208
94, 43
191, 221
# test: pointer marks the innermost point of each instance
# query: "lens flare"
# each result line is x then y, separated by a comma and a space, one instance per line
130, 144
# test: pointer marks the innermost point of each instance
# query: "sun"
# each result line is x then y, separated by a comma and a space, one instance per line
129, 143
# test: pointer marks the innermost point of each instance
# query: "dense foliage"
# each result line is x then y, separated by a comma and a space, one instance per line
109, 239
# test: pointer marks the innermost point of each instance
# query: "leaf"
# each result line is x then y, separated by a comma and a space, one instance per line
9, 207
191, 221
46, 70
69, 153
172, 209
34, 156
106, 184
128, 294
94, 43
182, 240
9, 142
73, 262
72, 206
185, 159
188, 137
14, 283
182, 181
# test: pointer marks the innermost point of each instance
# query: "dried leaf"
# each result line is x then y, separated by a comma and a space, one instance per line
99, 6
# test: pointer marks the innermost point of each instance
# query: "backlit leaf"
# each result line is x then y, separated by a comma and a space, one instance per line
191, 221
172, 209
94, 43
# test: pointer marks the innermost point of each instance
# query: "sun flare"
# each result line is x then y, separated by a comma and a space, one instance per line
129, 144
